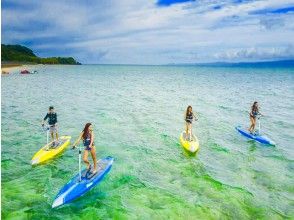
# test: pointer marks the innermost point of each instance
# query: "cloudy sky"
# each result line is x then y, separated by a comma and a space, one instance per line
152, 32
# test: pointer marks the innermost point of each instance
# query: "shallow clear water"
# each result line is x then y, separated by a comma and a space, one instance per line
137, 112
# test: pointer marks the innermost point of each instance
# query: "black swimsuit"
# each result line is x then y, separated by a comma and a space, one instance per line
189, 118
253, 114
87, 142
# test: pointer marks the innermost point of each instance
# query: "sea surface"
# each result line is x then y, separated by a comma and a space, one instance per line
137, 113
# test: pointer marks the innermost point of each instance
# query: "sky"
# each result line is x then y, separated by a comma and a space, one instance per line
152, 32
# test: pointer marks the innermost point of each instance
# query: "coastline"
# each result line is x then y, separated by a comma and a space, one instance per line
7, 68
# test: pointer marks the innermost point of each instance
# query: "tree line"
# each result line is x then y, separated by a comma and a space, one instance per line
22, 54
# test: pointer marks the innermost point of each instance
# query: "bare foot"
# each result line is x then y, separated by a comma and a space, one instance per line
89, 167
94, 172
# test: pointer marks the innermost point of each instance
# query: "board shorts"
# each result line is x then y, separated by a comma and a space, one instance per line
53, 128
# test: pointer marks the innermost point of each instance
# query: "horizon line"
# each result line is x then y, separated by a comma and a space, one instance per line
200, 63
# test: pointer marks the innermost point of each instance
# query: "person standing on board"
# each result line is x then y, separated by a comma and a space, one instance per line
87, 135
52, 121
253, 115
189, 117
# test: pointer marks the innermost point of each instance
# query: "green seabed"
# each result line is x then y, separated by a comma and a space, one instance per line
137, 112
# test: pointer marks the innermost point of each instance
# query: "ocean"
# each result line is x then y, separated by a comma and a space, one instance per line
137, 113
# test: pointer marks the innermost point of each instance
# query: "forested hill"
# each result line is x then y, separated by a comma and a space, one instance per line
22, 54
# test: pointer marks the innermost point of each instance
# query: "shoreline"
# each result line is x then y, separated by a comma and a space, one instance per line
9, 67
6, 68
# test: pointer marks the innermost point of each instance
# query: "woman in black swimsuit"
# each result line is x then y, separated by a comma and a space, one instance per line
189, 117
253, 114
87, 135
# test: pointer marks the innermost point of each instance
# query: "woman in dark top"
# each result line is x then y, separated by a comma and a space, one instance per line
87, 135
189, 117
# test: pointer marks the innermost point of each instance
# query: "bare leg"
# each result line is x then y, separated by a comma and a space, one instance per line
93, 154
52, 135
190, 132
187, 130
254, 123
56, 134
251, 125
85, 159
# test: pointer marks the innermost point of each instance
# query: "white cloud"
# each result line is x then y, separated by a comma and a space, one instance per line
249, 54
141, 32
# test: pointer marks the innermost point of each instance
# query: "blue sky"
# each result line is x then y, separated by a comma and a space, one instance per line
152, 32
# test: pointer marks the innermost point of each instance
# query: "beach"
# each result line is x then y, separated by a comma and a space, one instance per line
15, 68
137, 115
9, 67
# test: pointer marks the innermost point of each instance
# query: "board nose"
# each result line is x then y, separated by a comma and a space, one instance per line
57, 202
35, 161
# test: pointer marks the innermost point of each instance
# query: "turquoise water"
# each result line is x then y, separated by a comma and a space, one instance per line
137, 112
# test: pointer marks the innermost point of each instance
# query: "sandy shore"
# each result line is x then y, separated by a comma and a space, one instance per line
8, 68
12, 68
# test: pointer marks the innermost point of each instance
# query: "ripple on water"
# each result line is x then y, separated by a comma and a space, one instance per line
137, 120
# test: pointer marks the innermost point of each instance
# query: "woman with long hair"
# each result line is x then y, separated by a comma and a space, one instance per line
189, 117
87, 135
253, 115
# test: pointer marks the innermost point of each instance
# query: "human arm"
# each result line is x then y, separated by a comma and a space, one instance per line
195, 116
259, 114
78, 140
45, 118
